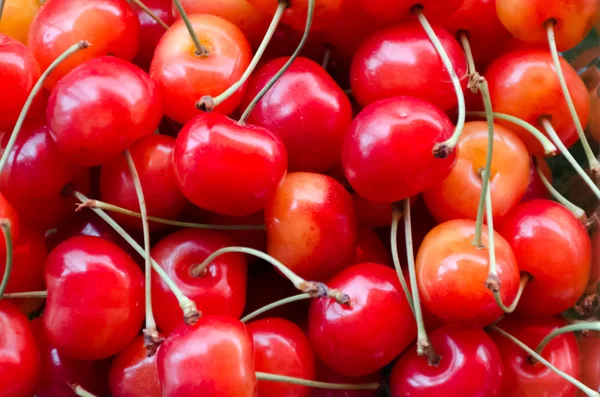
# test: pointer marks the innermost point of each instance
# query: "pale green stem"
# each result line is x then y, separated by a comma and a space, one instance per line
584, 326
26, 295
151, 14
6, 230
396, 215
200, 49
314, 383
274, 305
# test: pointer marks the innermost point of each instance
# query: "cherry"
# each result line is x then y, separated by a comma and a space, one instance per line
228, 168
526, 20
7, 212
372, 213
296, 13
457, 197
184, 77
466, 354
363, 337
92, 285
151, 31
402, 61
325, 374
17, 15
286, 39
280, 347
62, 23
553, 246
537, 189
213, 357
369, 248
19, 73
311, 225
392, 11
222, 290
305, 108
589, 353
520, 84
19, 362
152, 156
133, 373
387, 152
451, 273
521, 377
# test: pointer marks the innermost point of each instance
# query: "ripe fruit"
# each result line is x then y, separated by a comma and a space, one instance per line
133, 373
17, 15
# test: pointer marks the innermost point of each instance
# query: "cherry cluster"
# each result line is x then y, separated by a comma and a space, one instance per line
298, 198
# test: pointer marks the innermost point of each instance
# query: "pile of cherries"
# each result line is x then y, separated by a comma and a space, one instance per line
297, 198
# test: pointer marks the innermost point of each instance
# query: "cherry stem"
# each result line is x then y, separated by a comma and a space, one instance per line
150, 13
80, 391
578, 212
200, 49
592, 160
6, 230
207, 103
565, 152
26, 295
473, 84
314, 288
588, 391
34, 91
583, 326
274, 305
1, 8
443, 149
549, 148
396, 215
315, 384
326, 57
190, 312
110, 207
270, 83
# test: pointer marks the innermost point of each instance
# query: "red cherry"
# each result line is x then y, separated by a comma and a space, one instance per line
286, 39
537, 189
466, 354
325, 374
19, 361
150, 30
521, 378
305, 108
111, 27
221, 291
183, 77
7, 212
553, 246
394, 10
369, 248
152, 156
213, 357
311, 225
378, 325
92, 285
402, 61
296, 12
280, 347
228, 168
19, 71
387, 152
133, 373
372, 213
589, 352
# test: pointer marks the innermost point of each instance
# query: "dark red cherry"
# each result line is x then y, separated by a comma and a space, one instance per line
296, 12
150, 31
9, 213
393, 10
100, 108
369, 248
326, 374
133, 373
92, 285
537, 189
372, 213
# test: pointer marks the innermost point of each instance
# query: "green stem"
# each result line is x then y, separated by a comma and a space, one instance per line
313, 383
443, 149
549, 148
274, 305
396, 215
113, 208
200, 49
80, 391
588, 391
584, 326
270, 83
208, 103
34, 92
151, 14
6, 230
1, 8
525, 278
326, 57
26, 295
464, 40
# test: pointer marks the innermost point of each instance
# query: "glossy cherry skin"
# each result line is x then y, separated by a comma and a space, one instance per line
58, 371
295, 14
150, 31
387, 152
402, 61
183, 77
221, 291
62, 23
92, 285
521, 378
305, 108
19, 361
457, 197
19, 71
451, 274
7, 212
17, 15
537, 189
133, 373
109, 89
280, 347
526, 20
470, 366
212, 358
520, 84
553, 246
152, 156
228, 168
392, 11
311, 225
589, 353
378, 325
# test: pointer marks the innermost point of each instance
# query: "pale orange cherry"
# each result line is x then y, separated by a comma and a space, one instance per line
16, 18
